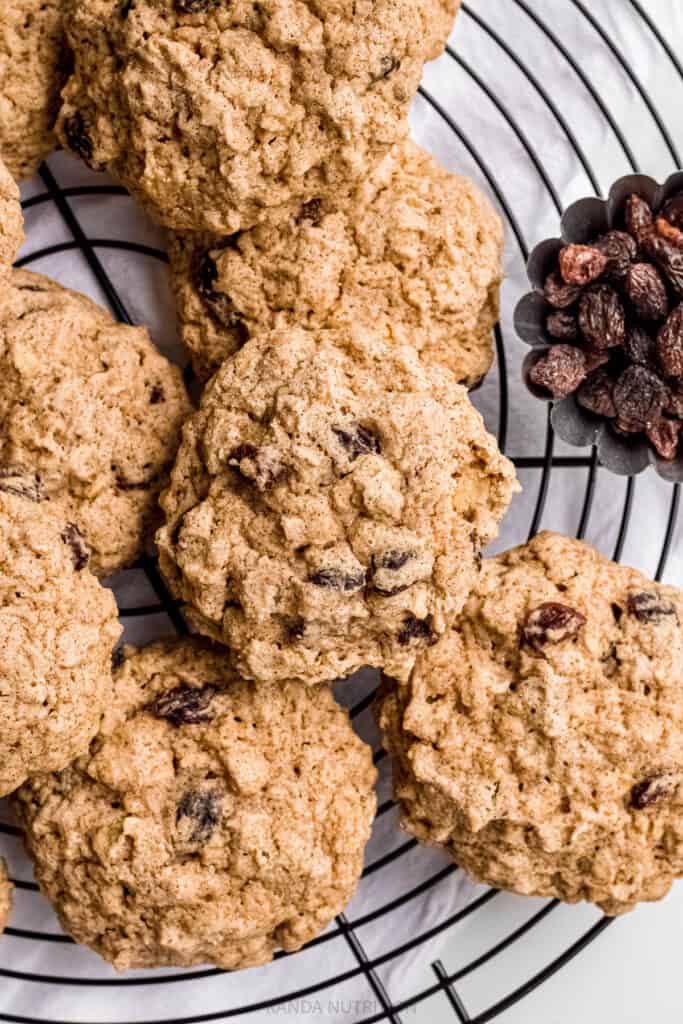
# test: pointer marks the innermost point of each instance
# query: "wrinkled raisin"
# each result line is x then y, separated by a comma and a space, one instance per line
358, 440
156, 395
14, 480
650, 606
262, 467
203, 809
80, 552
551, 623
595, 394
562, 326
581, 264
558, 293
646, 292
639, 396
601, 317
184, 705
385, 565
664, 245
218, 304
673, 211
670, 344
620, 250
387, 66
312, 210
559, 371
416, 629
663, 435
639, 346
78, 139
337, 579
654, 788
195, 6
638, 215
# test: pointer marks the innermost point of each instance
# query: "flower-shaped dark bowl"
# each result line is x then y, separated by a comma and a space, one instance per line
582, 222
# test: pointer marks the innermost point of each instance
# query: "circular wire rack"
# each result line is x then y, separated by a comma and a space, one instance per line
494, 106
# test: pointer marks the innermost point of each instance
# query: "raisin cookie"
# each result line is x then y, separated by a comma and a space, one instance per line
11, 221
328, 504
33, 67
214, 114
57, 629
541, 741
414, 246
213, 820
5, 897
90, 415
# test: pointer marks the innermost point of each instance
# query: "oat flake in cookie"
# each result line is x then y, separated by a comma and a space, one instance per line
212, 821
215, 113
57, 629
541, 741
328, 505
90, 416
11, 221
413, 246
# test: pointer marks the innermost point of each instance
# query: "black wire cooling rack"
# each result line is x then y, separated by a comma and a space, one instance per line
625, 120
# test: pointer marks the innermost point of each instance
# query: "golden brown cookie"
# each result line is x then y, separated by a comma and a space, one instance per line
329, 503
5, 897
90, 410
414, 247
33, 65
214, 115
541, 741
212, 820
11, 220
57, 629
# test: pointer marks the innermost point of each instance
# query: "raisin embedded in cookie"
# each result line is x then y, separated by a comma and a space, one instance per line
57, 629
11, 220
541, 741
216, 114
90, 411
329, 503
212, 821
5, 897
413, 246
33, 68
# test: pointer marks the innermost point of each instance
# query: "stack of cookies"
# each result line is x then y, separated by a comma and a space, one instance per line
324, 508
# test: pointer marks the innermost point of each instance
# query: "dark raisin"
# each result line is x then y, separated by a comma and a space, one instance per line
551, 623
638, 216
203, 808
416, 629
639, 346
387, 66
78, 139
663, 435
595, 394
581, 264
385, 565
650, 606
296, 630
601, 317
620, 250
670, 344
639, 396
393, 559
262, 467
312, 211
646, 292
664, 245
14, 480
654, 788
80, 552
559, 371
195, 6
673, 211
218, 304
358, 440
337, 579
558, 293
184, 705
562, 326
156, 395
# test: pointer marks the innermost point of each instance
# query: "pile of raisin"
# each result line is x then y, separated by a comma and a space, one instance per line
617, 325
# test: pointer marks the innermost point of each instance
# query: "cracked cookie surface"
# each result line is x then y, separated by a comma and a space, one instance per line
32, 72
91, 411
541, 741
328, 504
57, 629
11, 220
212, 820
215, 114
413, 246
